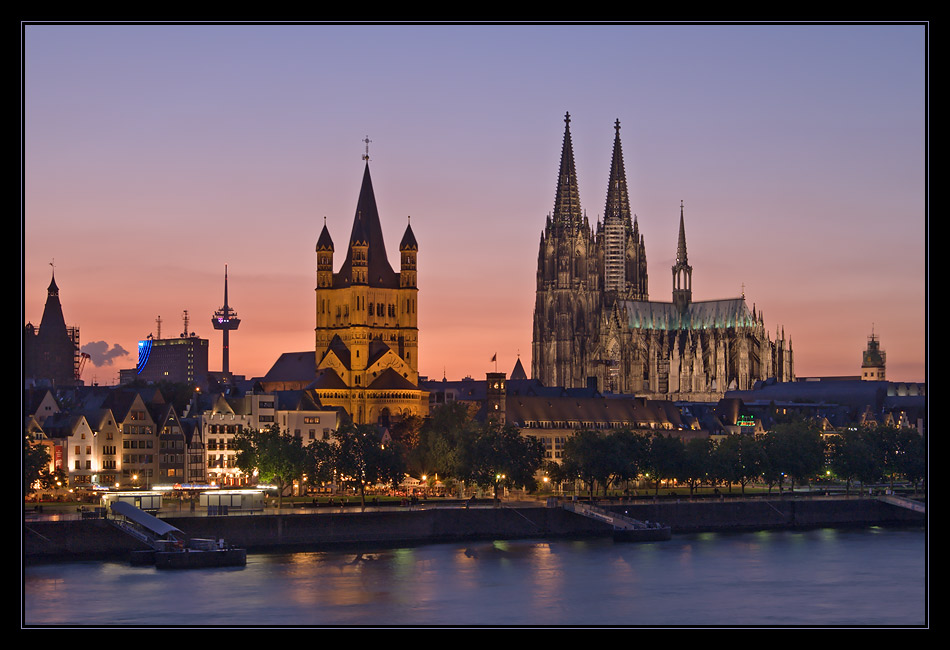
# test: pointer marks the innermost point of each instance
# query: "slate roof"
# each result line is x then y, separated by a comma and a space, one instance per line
366, 227
389, 379
292, 366
327, 379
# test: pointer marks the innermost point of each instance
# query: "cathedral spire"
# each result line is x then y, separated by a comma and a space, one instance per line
567, 202
681, 243
682, 271
617, 225
618, 201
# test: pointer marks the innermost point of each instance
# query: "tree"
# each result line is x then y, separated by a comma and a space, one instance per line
738, 458
795, 449
854, 456
407, 434
35, 464
555, 474
628, 453
278, 457
586, 457
665, 458
321, 458
440, 439
696, 461
912, 456
363, 458
500, 456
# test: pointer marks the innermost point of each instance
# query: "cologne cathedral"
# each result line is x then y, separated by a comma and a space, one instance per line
596, 327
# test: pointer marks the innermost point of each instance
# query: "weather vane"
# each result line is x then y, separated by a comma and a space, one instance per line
366, 140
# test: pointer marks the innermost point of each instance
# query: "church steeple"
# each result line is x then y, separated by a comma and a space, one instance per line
53, 320
52, 352
682, 271
617, 225
367, 234
567, 201
408, 252
618, 201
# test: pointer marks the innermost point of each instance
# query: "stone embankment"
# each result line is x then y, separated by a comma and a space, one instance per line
98, 538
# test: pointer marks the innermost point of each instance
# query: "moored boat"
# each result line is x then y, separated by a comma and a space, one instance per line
200, 553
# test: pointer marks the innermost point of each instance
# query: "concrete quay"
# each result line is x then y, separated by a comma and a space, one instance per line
51, 540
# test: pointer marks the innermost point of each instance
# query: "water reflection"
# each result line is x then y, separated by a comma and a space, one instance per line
774, 578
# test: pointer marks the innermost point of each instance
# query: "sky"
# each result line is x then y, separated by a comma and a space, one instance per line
155, 155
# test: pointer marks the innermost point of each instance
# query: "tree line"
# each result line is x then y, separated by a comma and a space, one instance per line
795, 451
450, 443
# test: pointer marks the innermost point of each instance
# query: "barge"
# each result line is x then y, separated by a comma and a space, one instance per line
170, 547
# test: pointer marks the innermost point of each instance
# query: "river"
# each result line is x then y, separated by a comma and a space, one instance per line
815, 578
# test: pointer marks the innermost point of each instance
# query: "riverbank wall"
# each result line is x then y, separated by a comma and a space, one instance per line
100, 539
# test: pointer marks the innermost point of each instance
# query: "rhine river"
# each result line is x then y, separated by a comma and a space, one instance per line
815, 578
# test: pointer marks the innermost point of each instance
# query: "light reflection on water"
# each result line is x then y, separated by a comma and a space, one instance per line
813, 578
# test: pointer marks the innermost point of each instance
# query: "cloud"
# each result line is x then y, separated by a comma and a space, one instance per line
101, 355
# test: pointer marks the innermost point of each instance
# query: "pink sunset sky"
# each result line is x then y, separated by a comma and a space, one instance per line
154, 155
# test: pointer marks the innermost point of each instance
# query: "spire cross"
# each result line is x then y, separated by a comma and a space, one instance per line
366, 141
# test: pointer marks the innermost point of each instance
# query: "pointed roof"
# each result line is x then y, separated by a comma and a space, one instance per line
53, 321
408, 240
618, 202
518, 373
389, 379
681, 242
567, 201
368, 231
325, 243
327, 379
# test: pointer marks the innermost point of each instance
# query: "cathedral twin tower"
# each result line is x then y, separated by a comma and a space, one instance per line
595, 326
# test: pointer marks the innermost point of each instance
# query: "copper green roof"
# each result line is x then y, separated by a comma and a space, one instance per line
709, 314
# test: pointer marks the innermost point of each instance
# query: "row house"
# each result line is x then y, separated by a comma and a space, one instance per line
181, 449
296, 412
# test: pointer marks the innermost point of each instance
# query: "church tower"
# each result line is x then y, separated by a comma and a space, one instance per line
568, 285
873, 361
623, 249
366, 335
51, 353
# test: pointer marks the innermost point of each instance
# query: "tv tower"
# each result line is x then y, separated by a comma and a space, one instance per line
225, 319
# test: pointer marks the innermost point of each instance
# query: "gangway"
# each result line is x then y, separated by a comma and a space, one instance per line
625, 528
903, 502
144, 527
170, 547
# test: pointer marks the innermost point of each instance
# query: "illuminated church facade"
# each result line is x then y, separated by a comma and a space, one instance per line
367, 334
595, 325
